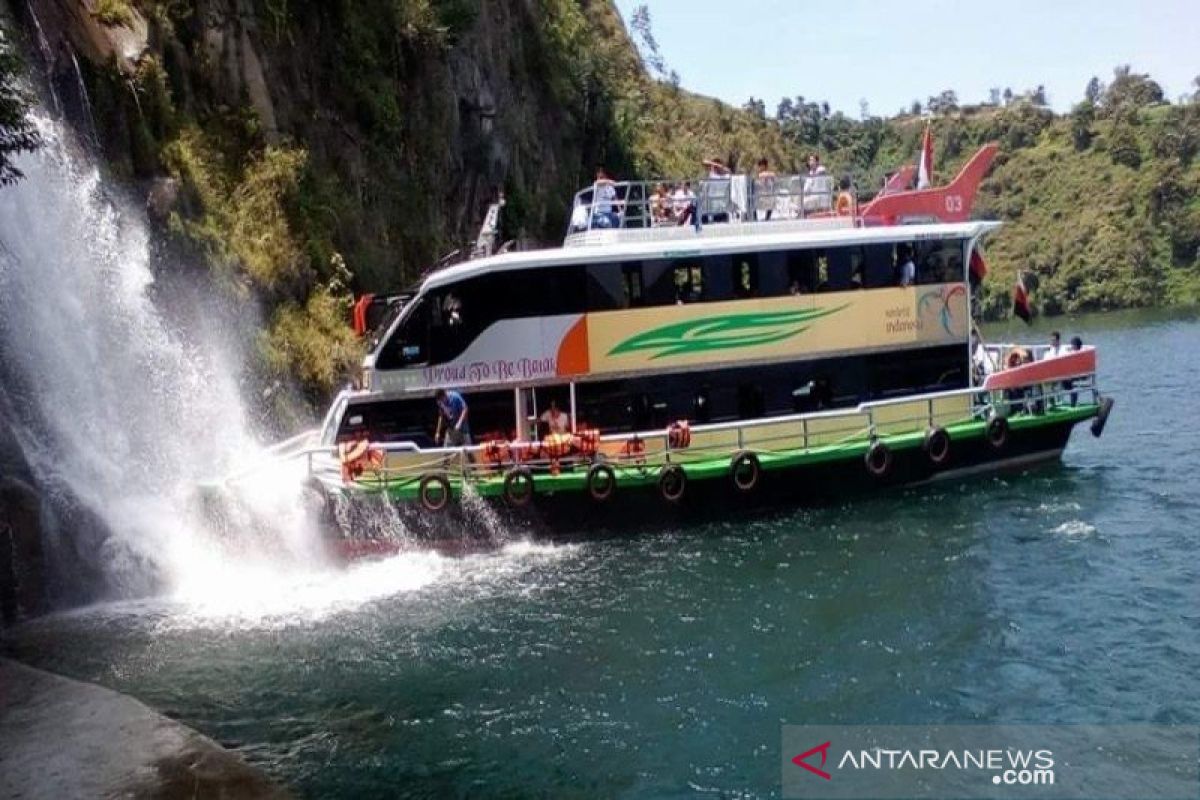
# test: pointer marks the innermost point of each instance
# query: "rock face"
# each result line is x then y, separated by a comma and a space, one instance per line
22, 569
410, 126
61, 738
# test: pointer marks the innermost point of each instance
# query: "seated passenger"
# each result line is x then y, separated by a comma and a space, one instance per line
683, 203
815, 167
660, 207
906, 270
556, 420
845, 199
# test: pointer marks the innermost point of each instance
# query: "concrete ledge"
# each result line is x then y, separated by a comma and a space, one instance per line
61, 738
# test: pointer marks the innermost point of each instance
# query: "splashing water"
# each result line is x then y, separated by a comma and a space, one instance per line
113, 405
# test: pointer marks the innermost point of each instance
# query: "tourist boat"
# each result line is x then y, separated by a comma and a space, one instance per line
762, 351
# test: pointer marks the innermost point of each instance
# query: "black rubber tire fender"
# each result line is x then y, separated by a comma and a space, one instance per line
937, 446
878, 459
997, 432
428, 489
672, 483
514, 480
601, 482
745, 471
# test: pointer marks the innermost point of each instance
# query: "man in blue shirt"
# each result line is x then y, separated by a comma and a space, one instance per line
452, 418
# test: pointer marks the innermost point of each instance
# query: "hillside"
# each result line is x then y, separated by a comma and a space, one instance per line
1102, 204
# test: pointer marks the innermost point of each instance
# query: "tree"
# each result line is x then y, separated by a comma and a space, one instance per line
17, 133
1008, 95
1094, 91
1131, 89
864, 109
1038, 96
1082, 117
915, 108
994, 96
943, 103
647, 45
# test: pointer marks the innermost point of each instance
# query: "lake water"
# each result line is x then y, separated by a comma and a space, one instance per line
663, 664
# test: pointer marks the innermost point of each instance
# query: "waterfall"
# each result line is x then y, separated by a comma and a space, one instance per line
115, 406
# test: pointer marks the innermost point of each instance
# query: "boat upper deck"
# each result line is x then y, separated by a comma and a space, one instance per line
611, 212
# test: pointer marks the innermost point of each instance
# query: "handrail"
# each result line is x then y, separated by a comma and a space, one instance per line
981, 401
716, 200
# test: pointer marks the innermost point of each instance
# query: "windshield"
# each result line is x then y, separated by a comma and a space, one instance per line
379, 331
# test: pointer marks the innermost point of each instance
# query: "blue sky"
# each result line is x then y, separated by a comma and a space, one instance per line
890, 53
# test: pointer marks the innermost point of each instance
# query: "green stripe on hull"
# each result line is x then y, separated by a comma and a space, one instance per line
405, 489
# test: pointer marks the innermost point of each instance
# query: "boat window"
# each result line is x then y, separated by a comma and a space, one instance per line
880, 266
940, 261
658, 283
409, 345
606, 287
689, 281
771, 273
745, 275
836, 263
802, 272
631, 276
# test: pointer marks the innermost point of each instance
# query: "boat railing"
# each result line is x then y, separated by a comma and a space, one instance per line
608, 205
869, 420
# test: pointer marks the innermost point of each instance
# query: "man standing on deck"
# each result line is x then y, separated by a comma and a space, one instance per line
452, 418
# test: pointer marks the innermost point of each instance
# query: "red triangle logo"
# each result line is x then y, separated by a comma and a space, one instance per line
802, 760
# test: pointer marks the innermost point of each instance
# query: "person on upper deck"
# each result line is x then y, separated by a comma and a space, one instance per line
555, 419
764, 188
815, 167
453, 430
1056, 348
906, 270
683, 202
716, 168
660, 206
604, 201
845, 199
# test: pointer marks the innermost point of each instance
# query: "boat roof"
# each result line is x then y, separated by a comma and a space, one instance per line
723, 240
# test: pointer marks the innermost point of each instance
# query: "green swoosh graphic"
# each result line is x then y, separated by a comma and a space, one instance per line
722, 333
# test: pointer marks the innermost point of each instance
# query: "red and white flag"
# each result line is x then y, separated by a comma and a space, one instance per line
925, 160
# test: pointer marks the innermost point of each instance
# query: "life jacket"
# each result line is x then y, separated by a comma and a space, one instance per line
586, 442
356, 457
679, 434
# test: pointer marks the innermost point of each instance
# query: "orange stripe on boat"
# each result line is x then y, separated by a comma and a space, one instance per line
573, 356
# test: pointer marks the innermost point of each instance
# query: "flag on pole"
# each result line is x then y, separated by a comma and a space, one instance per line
925, 160
1021, 300
978, 265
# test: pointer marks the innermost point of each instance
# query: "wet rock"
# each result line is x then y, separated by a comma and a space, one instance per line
62, 738
162, 199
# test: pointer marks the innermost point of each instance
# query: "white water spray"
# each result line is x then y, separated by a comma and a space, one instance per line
112, 403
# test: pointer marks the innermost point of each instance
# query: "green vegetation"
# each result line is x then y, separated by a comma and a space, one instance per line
113, 12
17, 134
1102, 204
